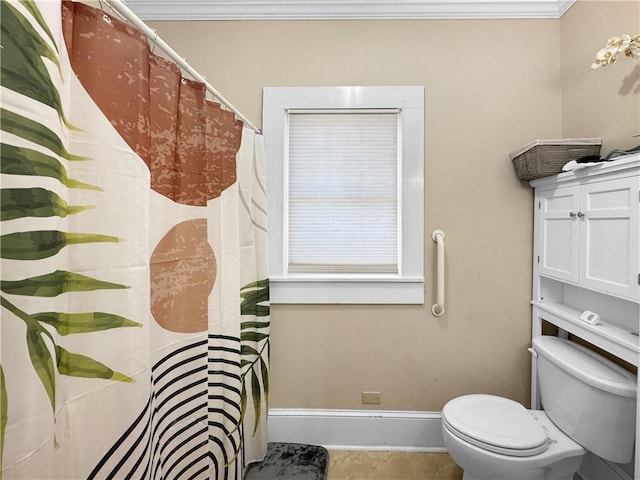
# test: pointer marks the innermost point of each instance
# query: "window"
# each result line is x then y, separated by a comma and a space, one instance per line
346, 193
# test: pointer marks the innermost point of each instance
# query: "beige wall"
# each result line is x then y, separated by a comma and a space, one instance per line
605, 102
490, 87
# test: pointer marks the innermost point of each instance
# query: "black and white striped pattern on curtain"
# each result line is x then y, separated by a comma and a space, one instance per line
190, 424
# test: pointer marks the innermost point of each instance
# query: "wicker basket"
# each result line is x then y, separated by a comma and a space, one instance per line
542, 158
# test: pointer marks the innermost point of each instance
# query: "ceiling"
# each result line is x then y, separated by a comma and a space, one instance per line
345, 9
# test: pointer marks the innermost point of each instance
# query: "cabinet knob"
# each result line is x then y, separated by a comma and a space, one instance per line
580, 214
572, 214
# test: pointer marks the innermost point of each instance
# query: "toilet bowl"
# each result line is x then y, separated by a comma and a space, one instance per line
494, 438
589, 405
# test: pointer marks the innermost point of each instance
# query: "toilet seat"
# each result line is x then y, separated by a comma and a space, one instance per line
495, 424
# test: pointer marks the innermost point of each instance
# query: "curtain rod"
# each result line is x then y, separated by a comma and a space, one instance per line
152, 35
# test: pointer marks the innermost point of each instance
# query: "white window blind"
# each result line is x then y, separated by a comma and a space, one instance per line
345, 175
343, 191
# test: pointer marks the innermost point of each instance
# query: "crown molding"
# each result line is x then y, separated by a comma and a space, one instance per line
345, 9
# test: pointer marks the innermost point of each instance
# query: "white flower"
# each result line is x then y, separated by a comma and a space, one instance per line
619, 42
633, 51
605, 56
626, 44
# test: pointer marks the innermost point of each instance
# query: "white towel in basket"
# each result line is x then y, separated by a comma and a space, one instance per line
573, 165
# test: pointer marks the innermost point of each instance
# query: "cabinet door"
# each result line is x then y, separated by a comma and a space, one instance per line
558, 226
609, 236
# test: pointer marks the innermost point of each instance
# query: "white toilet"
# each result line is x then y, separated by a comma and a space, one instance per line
589, 404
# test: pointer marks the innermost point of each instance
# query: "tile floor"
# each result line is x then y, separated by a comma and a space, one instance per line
362, 465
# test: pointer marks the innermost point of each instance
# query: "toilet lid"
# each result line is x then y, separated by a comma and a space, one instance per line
496, 424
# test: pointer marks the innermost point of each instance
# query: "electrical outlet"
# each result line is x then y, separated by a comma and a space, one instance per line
371, 398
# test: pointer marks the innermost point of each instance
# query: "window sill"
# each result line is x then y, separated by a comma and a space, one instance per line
347, 290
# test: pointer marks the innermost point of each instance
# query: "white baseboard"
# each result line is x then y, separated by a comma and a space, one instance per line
388, 430
358, 429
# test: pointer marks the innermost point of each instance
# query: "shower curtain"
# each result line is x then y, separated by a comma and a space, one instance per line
134, 285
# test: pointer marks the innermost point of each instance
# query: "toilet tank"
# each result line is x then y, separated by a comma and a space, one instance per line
588, 397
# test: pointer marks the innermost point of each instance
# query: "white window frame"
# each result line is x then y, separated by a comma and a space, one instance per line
405, 287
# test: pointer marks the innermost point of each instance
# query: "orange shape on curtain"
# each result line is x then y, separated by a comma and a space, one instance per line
224, 135
111, 60
188, 142
183, 272
190, 161
164, 95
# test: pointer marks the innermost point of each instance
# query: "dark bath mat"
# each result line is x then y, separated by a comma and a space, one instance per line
291, 461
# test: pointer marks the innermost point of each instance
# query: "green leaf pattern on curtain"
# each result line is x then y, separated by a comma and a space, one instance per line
22, 67
23, 71
49, 215
35, 202
55, 283
25, 161
254, 337
4, 405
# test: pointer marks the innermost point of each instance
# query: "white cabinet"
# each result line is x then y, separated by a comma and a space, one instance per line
610, 240
589, 234
587, 257
559, 236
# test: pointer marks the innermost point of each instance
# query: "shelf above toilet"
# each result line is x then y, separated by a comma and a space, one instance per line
618, 341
